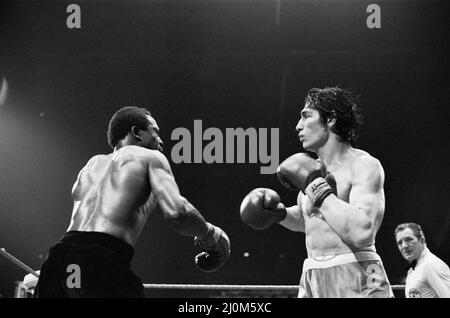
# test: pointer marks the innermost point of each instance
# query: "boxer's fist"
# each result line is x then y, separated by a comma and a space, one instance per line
298, 170
302, 172
261, 208
216, 249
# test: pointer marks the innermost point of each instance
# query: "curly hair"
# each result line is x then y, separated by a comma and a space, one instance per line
122, 121
340, 104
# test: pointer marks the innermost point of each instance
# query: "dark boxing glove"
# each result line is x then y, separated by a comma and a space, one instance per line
302, 172
216, 249
261, 208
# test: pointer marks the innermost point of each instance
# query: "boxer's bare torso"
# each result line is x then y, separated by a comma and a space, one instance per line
354, 184
113, 194
321, 239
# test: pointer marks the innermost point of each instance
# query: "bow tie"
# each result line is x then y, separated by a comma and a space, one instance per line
413, 264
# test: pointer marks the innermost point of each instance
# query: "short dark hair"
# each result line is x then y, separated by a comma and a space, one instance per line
415, 228
340, 104
122, 121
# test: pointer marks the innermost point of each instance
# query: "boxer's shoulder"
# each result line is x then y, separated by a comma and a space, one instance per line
362, 160
365, 167
96, 159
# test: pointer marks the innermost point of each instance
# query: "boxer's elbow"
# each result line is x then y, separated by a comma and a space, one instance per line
362, 235
361, 242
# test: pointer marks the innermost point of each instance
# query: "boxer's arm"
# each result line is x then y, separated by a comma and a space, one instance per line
294, 219
357, 221
183, 217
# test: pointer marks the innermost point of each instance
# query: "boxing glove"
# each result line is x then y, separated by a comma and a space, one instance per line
261, 208
216, 249
302, 172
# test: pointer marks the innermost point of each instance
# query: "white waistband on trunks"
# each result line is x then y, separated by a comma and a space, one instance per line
338, 259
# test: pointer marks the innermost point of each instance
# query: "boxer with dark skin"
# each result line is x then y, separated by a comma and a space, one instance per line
340, 203
113, 197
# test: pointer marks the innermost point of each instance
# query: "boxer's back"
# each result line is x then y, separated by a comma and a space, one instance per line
113, 194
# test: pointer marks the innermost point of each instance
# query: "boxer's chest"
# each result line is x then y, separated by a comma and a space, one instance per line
343, 181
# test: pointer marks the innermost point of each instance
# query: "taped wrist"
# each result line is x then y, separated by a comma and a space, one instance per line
318, 190
281, 213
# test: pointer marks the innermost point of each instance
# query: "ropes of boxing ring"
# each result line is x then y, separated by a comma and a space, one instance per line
234, 287
186, 286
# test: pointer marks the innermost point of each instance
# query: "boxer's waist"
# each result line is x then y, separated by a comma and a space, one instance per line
99, 239
339, 259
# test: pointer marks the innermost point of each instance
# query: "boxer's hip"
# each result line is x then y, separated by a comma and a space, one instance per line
328, 261
359, 274
91, 247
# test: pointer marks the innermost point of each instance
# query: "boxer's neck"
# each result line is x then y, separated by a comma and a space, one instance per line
333, 152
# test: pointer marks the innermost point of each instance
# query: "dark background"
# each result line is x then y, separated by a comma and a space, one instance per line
230, 64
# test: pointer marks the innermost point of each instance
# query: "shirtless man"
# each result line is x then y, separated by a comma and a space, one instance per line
340, 203
113, 197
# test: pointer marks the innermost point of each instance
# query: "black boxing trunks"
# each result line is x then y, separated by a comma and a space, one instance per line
89, 265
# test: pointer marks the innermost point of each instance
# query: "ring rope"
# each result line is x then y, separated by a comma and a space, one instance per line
234, 287
185, 286
18, 262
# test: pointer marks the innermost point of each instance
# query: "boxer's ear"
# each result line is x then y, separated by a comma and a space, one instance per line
331, 121
136, 133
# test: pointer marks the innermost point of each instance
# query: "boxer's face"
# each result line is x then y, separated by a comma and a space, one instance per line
409, 245
150, 137
311, 132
